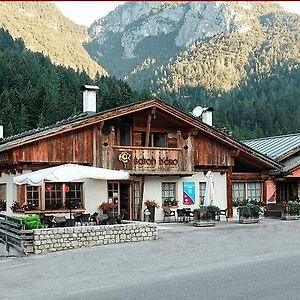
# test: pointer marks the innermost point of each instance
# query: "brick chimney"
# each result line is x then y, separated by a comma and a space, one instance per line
89, 98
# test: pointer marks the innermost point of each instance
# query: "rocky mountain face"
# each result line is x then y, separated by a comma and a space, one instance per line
171, 45
189, 21
44, 29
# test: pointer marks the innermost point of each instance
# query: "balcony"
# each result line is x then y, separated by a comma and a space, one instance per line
151, 160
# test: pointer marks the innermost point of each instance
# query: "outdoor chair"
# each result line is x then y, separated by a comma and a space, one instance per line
93, 219
48, 221
180, 215
119, 218
77, 218
188, 214
168, 213
85, 219
111, 220
60, 221
222, 212
70, 223
101, 219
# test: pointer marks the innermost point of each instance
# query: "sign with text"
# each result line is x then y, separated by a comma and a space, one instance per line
145, 159
188, 193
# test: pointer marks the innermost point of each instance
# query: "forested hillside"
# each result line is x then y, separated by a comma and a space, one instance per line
243, 58
35, 93
43, 28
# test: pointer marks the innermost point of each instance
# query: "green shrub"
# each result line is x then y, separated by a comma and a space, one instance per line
31, 222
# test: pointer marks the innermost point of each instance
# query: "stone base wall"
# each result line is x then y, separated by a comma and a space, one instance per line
56, 239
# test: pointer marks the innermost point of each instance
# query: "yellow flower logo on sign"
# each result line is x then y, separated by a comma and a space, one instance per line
124, 157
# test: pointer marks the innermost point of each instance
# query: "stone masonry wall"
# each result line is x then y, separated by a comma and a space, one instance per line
56, 239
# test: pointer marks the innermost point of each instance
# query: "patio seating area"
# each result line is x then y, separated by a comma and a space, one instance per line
186, 215
80, 219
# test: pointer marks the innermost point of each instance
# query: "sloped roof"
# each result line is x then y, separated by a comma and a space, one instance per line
276, 147
85, 119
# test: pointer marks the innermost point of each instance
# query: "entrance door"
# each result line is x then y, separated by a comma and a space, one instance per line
125, 200
286, 191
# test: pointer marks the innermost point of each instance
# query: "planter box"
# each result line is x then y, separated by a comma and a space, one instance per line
248, 220
204, 219
204, 224
286, 217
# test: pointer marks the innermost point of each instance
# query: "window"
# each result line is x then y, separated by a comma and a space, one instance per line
32, 197
53, 196
136, 200
247, 190
74, 195
2, 191
158, 140
113, 196
57, 196
202, 187
168, 191
125, 135
2, 196
238, 191
254, 191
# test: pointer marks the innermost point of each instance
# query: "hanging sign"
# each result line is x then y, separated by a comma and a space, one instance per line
188, 193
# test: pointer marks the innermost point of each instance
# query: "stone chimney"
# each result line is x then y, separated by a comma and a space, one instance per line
207, 115
89, 98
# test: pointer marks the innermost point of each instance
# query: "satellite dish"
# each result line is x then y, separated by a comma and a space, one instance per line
197, 111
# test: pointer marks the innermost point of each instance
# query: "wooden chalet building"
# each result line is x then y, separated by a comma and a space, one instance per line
166, 151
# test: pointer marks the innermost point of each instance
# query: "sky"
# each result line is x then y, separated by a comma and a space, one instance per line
85, 12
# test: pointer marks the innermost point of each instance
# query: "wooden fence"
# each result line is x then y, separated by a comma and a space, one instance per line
13, 234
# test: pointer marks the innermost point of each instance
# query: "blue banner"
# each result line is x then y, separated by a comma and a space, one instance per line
189, 193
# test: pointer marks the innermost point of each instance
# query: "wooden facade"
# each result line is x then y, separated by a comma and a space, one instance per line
147, 138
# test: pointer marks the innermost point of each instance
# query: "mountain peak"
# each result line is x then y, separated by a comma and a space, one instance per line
188, 21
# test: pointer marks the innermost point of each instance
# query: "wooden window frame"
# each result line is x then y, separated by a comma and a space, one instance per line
246, 190
163, 196
202, 192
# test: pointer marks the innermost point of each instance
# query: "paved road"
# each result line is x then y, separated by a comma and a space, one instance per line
230, 261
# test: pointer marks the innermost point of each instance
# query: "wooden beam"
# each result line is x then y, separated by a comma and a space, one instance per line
149, 118
229, 193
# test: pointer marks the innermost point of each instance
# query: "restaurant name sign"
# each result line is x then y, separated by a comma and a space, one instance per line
154, 160
161, 161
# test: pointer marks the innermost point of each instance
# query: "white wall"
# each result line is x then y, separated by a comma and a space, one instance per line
11, 190
95, 192
152, 190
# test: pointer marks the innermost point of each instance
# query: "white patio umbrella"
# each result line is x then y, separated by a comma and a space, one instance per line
209, 196
68, 173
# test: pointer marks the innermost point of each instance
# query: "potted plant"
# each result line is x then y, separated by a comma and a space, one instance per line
151, 205
16, 206
212, 210
167, 202
170, 202
249, 213
205, 215
290, 210
106, 207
